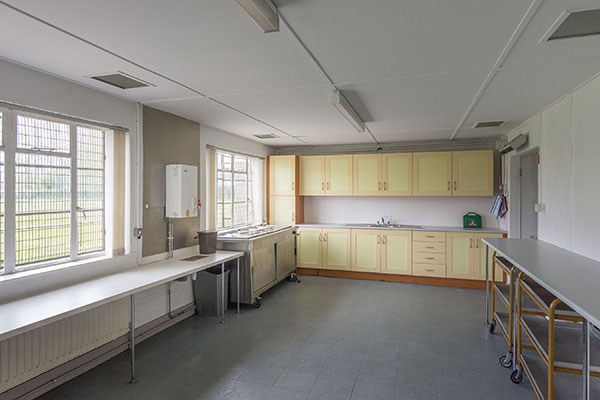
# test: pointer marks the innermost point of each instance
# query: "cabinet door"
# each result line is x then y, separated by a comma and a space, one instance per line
473, 173
479, 257
366, 253
339, 175
285, 256
396, 174
459, 255
396, 252
282, 175
367, 175
263, 266
309, 247
432, 174
312, 176
282, 210
336, 249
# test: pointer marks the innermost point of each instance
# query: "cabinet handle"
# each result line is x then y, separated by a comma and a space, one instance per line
454, 185
429, 258
448, 185
476, 243
430, 236
292, 216
384, 236
429, 270
292, 186
377, 239
322, 185
325, 237
379, 186
429, 247
471, 243
384, 186
320, 237
327, 185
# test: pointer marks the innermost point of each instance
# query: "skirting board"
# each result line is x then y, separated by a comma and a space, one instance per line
47, 381
423, 280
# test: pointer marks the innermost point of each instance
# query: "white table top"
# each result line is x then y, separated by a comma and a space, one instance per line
22, 315
573, 278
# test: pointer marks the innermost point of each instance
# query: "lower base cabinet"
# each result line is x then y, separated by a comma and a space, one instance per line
366, 250
382, 251
465, 255
323, 248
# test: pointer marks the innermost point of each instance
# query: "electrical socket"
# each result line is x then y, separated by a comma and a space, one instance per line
540, 208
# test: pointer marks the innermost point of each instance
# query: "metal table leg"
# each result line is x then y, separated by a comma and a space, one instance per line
132, 338
487, 285
515, 325
586, 360
238, 284
222, 293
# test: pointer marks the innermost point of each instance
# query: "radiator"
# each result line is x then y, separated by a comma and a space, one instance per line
32, 353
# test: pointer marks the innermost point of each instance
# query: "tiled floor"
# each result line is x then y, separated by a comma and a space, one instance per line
320, 339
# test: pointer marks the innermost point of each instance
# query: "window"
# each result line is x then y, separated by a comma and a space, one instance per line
59, 190
239, 190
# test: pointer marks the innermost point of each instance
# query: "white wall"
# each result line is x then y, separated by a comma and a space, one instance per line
568, 135
436, 211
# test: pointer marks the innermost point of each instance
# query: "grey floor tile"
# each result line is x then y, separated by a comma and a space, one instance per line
379, 371
239, 390
308, 362
333, 386
342, 367
296, 380
276, 393
365, 390
411, 393
260, 373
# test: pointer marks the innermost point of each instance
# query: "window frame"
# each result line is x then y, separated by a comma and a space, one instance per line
249, 183
9, 147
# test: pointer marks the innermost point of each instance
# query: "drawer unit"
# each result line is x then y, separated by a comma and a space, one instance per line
424, 236
434, 270
429, 247
429, 258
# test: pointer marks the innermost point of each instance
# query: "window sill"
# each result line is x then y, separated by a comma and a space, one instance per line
24, 272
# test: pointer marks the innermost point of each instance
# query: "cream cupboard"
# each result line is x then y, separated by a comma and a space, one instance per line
382, 251
324, 248
465, 256
285, 204
458, 173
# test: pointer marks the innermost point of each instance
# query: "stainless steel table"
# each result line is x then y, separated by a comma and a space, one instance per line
573, 278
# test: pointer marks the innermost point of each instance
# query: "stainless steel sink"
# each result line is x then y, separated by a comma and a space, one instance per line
397, 226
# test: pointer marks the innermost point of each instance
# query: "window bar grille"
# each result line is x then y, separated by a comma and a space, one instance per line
74, 248
10, 144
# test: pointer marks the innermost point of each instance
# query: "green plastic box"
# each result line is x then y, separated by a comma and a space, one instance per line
471, 220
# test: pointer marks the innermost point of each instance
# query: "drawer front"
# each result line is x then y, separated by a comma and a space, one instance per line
429, 247
435, 270
429, 258
421, 236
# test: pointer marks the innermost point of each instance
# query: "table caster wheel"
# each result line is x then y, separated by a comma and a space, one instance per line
506, 361
492, 327
516, 376
293, 277
257, 303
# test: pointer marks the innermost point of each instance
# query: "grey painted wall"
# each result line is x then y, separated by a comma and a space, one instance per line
168, 139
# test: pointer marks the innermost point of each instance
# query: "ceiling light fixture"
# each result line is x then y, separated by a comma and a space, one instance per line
342, 105
262, 12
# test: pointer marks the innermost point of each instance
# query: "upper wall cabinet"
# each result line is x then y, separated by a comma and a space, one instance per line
282, 175
432, 174
338, 171
367, 175
473, 173
396, 174
312, 176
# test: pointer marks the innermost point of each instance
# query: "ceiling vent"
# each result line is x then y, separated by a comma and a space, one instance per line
266, 136
120, 80
575, 24
489, 124
514, 144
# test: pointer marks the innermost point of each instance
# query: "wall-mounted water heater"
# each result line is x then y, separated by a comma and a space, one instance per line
181, 191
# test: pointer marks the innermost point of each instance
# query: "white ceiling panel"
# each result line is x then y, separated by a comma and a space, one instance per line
427, 103
516, 93
212, 46
28, 42
212, 114
357, 40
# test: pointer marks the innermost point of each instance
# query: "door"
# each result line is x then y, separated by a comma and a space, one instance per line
459, 255
312, 176
479, 257
473, 173
309, 247
529, 196
282, 210
432, 174
339, 175
396, 174
367, 175
282, 175
396, 252
366, 251
336, 249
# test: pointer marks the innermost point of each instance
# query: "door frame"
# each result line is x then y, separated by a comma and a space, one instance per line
514, 194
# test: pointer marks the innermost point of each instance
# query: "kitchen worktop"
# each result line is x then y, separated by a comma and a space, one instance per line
403, 228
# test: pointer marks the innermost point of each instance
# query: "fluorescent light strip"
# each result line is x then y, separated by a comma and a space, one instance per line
342, 105
262, 13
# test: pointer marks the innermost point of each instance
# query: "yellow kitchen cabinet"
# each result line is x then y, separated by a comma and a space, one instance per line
312, 176
338, 171
310, 250
283, 210
473, 173
366, 250
396, 174
367, 175
336, 249
459, 255
479, 259
432, 174
396, 252
282, 175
